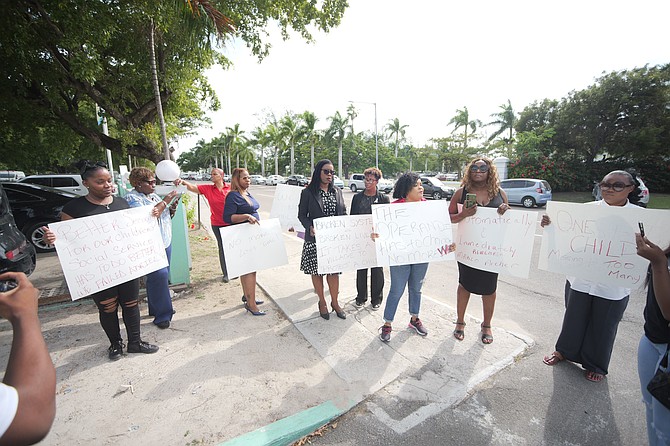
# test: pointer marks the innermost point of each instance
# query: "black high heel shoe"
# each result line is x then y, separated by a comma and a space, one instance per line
258, 302
255, 313
325, 315
341, 314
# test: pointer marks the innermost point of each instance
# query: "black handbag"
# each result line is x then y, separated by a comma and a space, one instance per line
659, 386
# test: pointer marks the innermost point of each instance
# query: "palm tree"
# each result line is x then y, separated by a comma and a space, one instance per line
308, 131
244, 150
289, 130
462, 119
275, 139
235, 139
337, 130
352, 114
260, 139
394, 128
505, 120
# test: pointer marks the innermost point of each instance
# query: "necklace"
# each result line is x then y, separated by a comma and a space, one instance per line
100, 203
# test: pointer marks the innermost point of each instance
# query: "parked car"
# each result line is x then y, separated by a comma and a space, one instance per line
297, 180
16, 254
385, 185
11, 175
258, 179
337, 182
356, 182
436, 189
527, 192
273, 180
66, 182
35, 206
644, 193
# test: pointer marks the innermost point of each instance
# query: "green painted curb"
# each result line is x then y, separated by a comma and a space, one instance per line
290, 429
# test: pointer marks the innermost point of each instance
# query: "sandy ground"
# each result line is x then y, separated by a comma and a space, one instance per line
219, 372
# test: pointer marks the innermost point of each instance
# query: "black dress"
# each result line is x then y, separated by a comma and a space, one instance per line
475, 280
308, 262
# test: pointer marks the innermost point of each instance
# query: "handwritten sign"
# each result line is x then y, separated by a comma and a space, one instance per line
285, 206
497, 243
248, 248
598, 242
412, 232
102, 251
344, 243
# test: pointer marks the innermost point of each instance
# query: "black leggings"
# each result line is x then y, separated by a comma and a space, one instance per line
222, 259
125, 294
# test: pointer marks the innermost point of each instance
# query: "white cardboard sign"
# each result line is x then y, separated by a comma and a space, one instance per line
285, 206
598, 242
253, 247
344, 243
497, 243
102, 251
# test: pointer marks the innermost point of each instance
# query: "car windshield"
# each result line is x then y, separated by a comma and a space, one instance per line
435, 182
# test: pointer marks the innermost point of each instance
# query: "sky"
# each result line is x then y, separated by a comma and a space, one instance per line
421, 61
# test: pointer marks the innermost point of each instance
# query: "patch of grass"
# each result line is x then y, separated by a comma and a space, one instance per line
657, 201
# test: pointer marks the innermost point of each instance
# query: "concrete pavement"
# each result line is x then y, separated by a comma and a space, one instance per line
296, 370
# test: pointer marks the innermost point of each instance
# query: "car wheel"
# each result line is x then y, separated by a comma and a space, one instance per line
353, 188
35, 234
528, 202
437, 195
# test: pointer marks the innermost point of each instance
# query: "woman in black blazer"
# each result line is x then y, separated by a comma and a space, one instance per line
320, 199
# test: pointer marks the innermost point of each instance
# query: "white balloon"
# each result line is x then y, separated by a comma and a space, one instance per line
167, 170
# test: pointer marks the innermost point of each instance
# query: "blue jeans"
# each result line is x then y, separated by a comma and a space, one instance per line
649, 355
412, 276
158, 292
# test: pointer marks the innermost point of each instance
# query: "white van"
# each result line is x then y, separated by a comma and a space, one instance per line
11, 175
67, 182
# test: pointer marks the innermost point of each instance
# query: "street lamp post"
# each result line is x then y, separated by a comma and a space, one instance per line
376, 137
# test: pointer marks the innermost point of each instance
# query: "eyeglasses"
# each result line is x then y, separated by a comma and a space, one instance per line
328, 172
482, 168
150, 182
371, 180
618, 186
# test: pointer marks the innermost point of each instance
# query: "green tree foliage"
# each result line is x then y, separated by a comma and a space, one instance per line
60, 59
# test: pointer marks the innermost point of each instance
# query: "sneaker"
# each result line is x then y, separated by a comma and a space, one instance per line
141, 347
376, 306
115, 350
385, 334
360, 303
418, 326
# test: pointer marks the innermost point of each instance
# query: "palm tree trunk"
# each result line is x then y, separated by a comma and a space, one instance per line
292, 158
339, 159
157, 93
311, 167
276, 160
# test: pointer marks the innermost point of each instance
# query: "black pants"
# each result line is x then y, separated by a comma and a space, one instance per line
222, 259
589, 329
108, 302
376, 285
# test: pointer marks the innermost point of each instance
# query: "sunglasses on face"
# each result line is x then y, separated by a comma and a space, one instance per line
476, 168
328, 172
617, 187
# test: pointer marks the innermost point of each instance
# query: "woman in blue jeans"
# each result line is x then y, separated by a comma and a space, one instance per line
656, 338
407, 189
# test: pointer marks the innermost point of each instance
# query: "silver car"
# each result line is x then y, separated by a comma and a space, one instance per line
528, 192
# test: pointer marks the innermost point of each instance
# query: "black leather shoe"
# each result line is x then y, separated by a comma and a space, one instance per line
115, 351
163, 325
141, 347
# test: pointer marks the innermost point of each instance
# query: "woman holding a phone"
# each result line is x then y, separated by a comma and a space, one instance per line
480, 187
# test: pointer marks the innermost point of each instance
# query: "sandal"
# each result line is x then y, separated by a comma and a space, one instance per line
486, 338
553, 359
594, 376
459, 334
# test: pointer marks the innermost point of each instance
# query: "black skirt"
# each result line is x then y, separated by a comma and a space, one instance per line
477, 281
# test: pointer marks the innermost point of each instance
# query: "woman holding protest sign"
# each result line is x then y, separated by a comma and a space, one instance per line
320, 198
143, 181
480, 187
407, 189
593, 310
100, 200
242, 207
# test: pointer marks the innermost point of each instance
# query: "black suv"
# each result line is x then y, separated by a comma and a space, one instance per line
297, 180
16, 254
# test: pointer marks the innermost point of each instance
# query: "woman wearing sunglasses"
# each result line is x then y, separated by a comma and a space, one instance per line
593, 310
320, 198
143, 181
480, 179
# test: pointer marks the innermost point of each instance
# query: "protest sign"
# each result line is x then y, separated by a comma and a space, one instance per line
344, 243
597, 242
412, 232
102, 251
253, 247
285, 206
497, 243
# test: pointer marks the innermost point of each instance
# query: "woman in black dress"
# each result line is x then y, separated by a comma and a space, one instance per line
481, 179
320, 199
100, 200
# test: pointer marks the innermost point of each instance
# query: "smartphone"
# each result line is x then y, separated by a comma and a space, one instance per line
470, 200
641, 226
7, 285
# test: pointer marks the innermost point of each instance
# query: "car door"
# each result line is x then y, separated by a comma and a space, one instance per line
513, 189
68, 184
